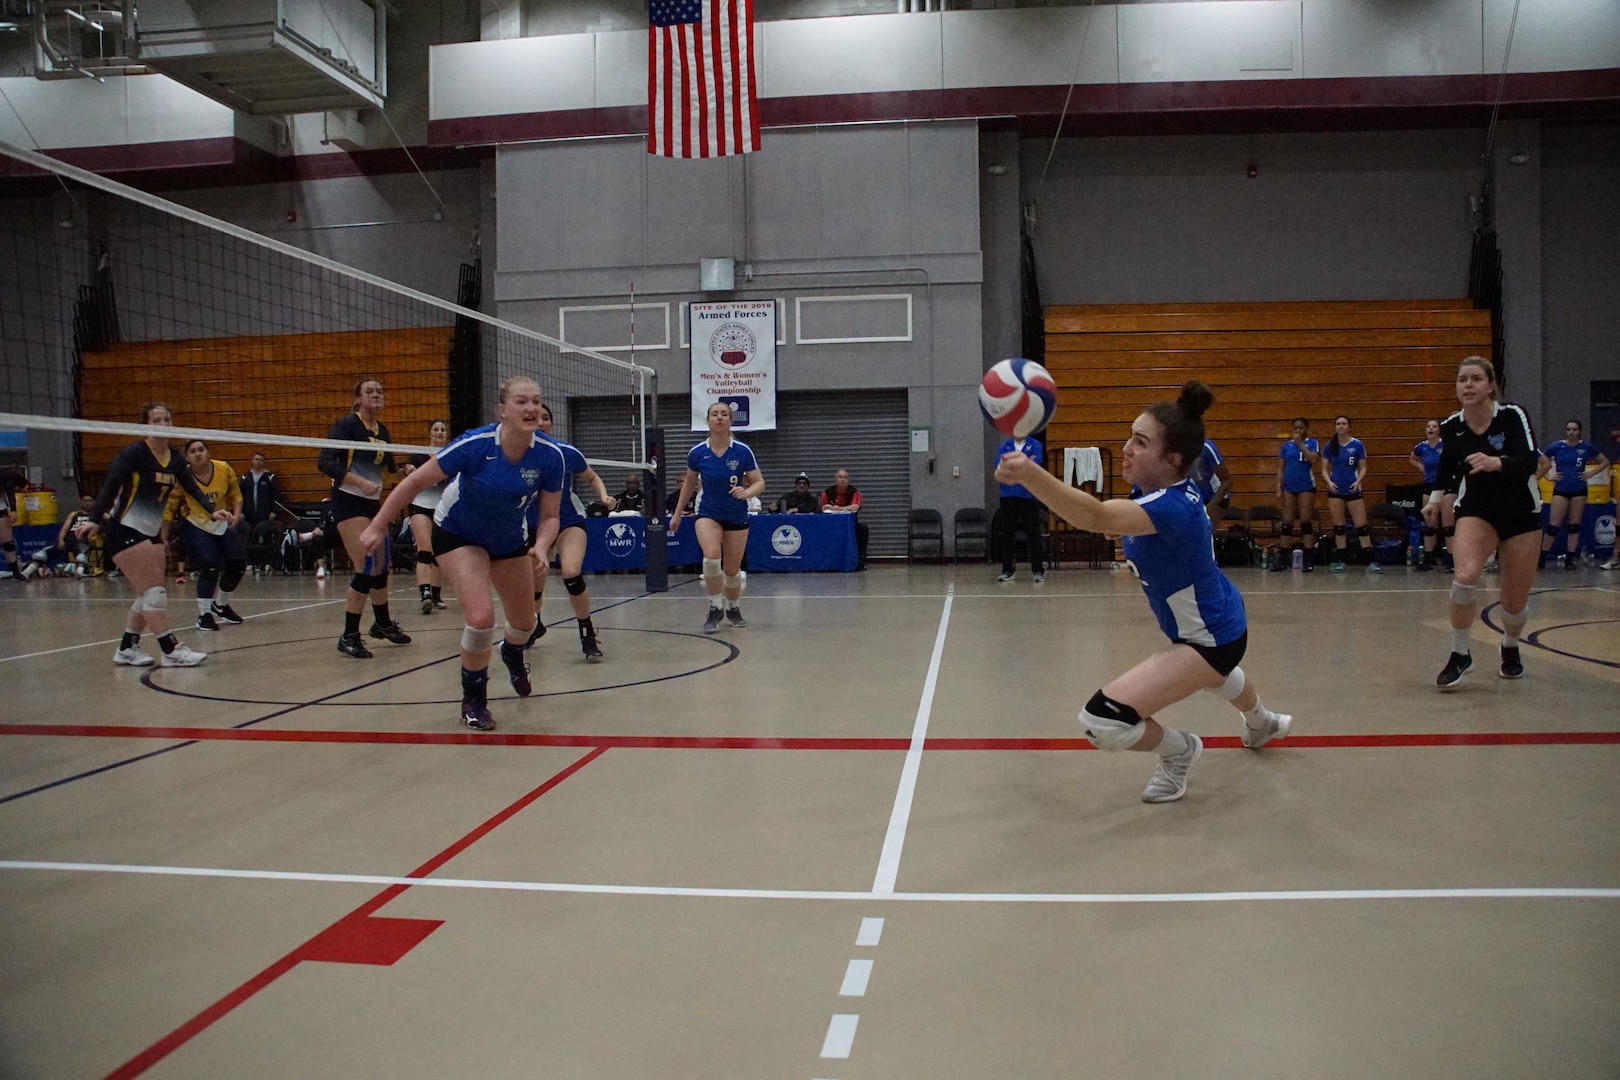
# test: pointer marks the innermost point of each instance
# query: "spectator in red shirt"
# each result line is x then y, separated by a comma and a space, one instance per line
845, 498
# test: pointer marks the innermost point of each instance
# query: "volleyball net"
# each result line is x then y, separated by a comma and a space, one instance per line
111, 297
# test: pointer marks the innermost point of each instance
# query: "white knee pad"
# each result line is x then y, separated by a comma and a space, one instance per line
735, 581
711, 568
1232, 688
155, 599
476, 639
1513, 621
137, 607
1110, 724
521, 633
1462, 595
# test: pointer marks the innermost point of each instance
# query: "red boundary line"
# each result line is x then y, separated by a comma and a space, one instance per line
183, 1034
674, 742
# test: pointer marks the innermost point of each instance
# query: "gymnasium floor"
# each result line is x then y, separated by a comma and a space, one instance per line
737, 856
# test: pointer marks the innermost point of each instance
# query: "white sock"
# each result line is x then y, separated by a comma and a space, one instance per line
203, 603
1509, 641
222, 599
718, 601
1174, 743
1259, 716
1459, 641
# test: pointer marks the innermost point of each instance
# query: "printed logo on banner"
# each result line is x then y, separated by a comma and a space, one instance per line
1603, 531
786, 540
732, 345
739, 410
621, 540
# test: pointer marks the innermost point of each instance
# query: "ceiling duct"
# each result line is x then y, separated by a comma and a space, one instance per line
270, 57
74, 40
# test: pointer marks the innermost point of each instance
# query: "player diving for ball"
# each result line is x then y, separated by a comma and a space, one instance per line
1167, 546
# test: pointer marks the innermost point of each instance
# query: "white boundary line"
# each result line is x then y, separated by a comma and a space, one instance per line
827, 894
116, 640
895, 838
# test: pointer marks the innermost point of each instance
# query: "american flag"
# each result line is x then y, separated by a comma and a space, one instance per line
700, 78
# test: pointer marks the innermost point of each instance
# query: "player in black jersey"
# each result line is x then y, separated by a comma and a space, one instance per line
130, 510
8, 545
357, 483
1489, 461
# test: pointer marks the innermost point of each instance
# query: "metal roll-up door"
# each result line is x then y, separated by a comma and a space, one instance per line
819, 432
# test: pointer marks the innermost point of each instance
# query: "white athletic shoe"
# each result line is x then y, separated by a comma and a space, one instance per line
1276, 727
133, 656
1169, 780
183, 657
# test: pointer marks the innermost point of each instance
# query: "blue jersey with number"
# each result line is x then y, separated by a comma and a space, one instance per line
1430, 456
572, 510
1202, 474
1193, 601
717, 475
1342, 461
487, 498
1572, 462
1029, 447
1298, 472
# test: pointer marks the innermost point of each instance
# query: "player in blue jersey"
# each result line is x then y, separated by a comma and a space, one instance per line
1571, 462
482, 536
727, 476
1437, 501
570, 545
1168, 547
1213, 478
1344, 465
1296, 488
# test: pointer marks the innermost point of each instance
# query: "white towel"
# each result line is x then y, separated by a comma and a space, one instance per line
1082, 464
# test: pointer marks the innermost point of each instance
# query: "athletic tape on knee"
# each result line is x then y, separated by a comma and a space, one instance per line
734, 581
1513, 621
425, 558
575, 585
1462, 595
521, 633
1110, 724
360, 583
477, 639
1232, 688
155, 599
711, 568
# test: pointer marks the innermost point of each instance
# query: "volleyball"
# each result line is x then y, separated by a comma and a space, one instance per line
1018, 397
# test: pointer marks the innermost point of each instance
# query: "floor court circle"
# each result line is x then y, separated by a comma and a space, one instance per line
1534, 639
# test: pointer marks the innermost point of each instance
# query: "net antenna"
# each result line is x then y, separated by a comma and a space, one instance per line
111, 297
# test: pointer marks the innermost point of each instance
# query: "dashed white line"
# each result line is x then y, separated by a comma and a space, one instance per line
856, 976
871, 932
840, 1035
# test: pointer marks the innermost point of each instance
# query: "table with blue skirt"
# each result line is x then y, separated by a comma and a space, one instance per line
777, 543
1597, 529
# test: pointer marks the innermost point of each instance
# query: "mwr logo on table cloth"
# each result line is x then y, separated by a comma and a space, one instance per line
1603, 531
621, 540
786, 539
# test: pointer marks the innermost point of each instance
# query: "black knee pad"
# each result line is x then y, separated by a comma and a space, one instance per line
425, 558
1339, 530
1449, 531
9, 547
360, 583
232, 577
1550, 530
575, 585
380, 581
1430, 530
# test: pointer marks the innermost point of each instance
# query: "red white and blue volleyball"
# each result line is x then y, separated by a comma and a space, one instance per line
1018, 396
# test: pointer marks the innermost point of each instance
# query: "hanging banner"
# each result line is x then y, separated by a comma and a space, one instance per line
734, 361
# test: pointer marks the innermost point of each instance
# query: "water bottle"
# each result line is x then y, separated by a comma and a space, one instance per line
1299, 558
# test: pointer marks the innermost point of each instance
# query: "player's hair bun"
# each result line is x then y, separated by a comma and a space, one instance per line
1195, 397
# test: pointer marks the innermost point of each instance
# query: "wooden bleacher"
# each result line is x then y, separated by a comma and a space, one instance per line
286, 384
1388, 365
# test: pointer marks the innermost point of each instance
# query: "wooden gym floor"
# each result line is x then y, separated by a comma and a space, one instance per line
859, 839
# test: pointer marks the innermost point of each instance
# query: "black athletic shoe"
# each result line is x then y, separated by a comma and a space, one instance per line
391, 632
538, 632
427, 605
734, 616
475, 714
1460, 664
351, 645
226, 614
206, 621
711, 622
517, 668
587, 645
1512, 668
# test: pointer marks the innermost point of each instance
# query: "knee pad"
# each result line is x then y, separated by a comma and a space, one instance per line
575, 585
360, 583
9, 547
1550, 529
477, 639
380, 581
1449, 531
155, 599
521, 632
735, 581
1513, 621
234, 571
1232, 688
1462, 595
425, 558
1338, 530
1110, 724
1430, 530
711, 568
137, 608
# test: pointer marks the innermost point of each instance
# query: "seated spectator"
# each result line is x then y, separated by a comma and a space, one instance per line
632, 497
845, 498
801, 500
689, 508
72, 556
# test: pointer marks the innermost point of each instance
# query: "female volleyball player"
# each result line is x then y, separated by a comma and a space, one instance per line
570, 545
1296, 487
482, 536
1571, 462
1489, 460
429, 579
1167, 546
1437, 503
1344, 464
357, 480
131, 504
729, 476
8, 543
214, 547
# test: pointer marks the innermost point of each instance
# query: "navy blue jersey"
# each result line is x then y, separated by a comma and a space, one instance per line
138, 486
1571, 463
1191, 598
572, 511
1202, 474
1342, 461
1032, 449
718, 474
368, 464
487, 498
1298, 472
1430, 456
